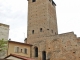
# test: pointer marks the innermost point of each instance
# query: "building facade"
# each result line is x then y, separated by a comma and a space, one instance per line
4, 31
19, 48
43, 34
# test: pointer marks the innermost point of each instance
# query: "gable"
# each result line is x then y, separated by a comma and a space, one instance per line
13, 58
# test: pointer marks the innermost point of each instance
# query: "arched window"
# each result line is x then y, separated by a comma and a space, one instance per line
36, 51
43, 55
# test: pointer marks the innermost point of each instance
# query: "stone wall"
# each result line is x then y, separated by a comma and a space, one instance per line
41, 19
4, 31
60, 47
43, 33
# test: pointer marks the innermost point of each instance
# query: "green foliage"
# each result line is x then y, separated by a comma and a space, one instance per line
3, 45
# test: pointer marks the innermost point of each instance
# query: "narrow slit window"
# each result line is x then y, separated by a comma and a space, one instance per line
32, 31
40, 29
33, 0
52, 31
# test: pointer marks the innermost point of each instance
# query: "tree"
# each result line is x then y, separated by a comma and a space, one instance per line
3, 47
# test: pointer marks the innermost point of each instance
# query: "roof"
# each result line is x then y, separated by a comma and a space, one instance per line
19, 43
53, 3
19, 56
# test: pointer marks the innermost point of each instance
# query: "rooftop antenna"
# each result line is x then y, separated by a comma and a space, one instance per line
24, 34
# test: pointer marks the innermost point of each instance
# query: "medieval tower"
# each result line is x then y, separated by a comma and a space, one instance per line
43, 34
41, 18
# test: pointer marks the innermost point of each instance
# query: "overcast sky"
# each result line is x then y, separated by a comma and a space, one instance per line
14, 13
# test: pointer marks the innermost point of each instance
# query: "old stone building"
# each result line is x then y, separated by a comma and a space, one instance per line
4, 31
43, 34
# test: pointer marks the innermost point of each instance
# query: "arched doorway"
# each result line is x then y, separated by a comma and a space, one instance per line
43, 55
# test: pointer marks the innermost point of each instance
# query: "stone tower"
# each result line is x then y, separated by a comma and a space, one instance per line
41, 19
4, 31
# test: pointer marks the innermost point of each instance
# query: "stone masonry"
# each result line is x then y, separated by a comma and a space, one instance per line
43, 34
4, 31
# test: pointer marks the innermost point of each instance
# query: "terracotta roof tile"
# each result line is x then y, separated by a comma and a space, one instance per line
20, 57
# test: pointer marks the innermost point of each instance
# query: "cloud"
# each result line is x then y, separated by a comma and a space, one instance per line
14, 13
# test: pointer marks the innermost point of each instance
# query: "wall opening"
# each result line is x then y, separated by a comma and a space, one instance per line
52, 31
43, 55
25, 51
40, 29
21, 50
16, 50
32, 31
33, 0
36, 51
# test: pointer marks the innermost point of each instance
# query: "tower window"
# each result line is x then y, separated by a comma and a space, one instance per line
40, 29
50, 0
44, 55
33, 0
32, 31
36, 51
52, 31
55, 33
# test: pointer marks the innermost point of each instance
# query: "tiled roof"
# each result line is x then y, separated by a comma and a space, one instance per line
20, 43
19, 56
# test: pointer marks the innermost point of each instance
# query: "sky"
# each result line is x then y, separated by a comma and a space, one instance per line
14, 13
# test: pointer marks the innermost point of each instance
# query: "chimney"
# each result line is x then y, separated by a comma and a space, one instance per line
25, 40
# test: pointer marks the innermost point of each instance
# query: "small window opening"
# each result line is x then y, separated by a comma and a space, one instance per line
36, 52
44, 55
74, 52
21, 50
32, 31
50, 0
33, 0
55, 33
40, 29
47, 29
16, 49
52, 31
25, 50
